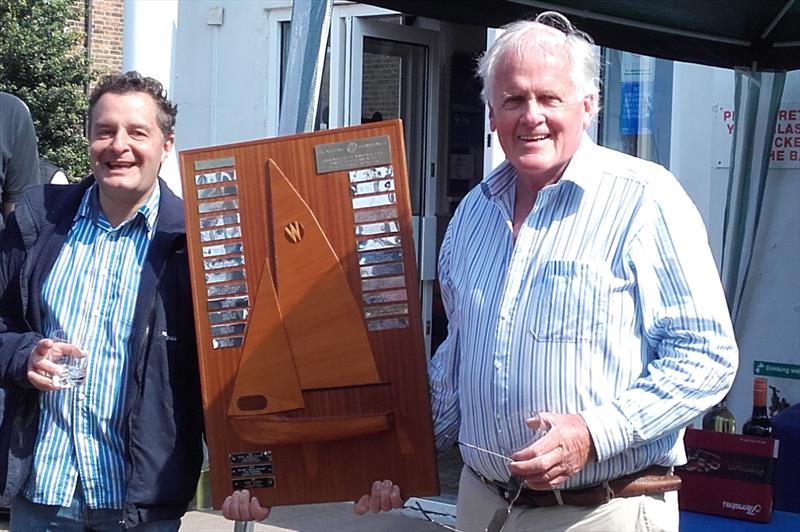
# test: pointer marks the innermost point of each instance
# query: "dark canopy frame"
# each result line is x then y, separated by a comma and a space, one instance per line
760, 39
724, 33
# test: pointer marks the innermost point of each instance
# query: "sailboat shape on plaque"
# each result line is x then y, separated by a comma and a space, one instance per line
286, 353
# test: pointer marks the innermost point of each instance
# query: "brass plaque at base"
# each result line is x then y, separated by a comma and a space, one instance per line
307, 312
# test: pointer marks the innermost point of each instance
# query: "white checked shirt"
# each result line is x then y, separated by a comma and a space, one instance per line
608, 305
91, 293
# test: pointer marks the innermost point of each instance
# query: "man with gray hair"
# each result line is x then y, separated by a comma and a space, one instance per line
587, 324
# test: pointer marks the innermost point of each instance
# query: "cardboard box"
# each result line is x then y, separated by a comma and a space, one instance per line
728, 475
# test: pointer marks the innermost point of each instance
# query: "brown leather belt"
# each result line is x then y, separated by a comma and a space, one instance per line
654, 479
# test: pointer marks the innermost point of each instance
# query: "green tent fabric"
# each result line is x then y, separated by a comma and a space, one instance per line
758, 96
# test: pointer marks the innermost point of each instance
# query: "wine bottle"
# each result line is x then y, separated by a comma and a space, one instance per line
759, 423
720, 419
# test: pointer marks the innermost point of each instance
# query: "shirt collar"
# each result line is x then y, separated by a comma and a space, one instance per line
583, 167
581, 170
499, 180
90, 207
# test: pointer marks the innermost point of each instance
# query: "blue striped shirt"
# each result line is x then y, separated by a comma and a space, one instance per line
608, 305
91, 294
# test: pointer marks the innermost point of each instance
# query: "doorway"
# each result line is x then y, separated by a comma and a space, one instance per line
393, 74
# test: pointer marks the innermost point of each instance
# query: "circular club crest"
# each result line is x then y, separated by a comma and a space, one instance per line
294, 232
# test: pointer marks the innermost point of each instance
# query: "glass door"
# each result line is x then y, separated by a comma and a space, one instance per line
393, 74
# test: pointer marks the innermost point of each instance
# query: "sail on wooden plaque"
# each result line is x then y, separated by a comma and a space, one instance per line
307, 316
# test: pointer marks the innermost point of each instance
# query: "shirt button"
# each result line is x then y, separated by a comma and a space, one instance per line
81, 396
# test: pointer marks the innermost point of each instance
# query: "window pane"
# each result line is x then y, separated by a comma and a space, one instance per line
636, 105
394, 85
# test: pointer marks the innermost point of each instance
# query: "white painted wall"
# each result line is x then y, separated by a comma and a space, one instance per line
221, 72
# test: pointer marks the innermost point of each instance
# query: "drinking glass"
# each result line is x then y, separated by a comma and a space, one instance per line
72, 369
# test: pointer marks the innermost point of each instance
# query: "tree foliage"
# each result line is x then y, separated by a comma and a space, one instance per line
43, 62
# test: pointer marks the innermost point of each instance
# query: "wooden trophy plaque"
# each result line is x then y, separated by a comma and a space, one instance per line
308, 317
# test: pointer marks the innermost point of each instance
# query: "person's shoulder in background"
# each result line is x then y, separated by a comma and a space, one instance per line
10, 102
51, 173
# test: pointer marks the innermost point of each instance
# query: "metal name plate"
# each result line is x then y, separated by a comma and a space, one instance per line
215, 177
375, 215
337, 156
221, 277
227, 330
250, 458
377, 228
214, 206
221, 233
370, 174
228, 302
226, 289
378, 243
216, 221
253, 483
379, 270
365, 202
390, 323
223, 262
382, 283
217, 192
389, 296
251, 470
222, 162
222, 249
225, 343
387, 310
227, 315
372, 187
377, 257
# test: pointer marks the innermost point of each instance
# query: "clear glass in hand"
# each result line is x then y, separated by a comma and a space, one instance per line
64, 353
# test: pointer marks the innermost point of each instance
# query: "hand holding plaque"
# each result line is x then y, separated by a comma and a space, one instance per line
385, 496
241, 506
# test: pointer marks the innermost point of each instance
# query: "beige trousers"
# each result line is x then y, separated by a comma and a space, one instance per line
478, 502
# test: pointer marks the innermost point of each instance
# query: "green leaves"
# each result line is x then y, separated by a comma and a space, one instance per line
43, 61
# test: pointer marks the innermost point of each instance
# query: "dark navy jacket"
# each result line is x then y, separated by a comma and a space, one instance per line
163, 406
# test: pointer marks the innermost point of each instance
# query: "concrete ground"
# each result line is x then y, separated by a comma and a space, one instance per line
314, 518
333, 517
305, 518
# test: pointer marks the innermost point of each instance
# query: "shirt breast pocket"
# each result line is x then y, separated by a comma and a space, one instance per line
570, 302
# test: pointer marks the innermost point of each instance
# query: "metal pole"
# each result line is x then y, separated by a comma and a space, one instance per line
311, 21
244, 526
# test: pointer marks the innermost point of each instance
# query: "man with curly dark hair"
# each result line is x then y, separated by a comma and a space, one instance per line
103, 261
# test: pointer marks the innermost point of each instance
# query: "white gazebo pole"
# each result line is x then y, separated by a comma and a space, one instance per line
147, 46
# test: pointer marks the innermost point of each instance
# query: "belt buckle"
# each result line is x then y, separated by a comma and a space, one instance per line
512, 491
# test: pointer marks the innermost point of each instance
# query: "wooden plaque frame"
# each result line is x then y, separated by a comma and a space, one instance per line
307, 313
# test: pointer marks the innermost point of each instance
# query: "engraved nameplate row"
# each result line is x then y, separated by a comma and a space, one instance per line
228, 302
251, 470
378, 242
